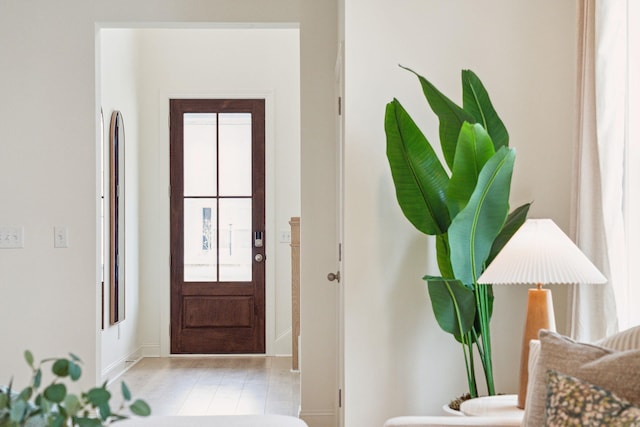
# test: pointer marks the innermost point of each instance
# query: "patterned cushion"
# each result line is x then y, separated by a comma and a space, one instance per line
574, 402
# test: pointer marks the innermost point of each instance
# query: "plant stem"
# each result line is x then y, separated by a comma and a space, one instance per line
473, 389
483, 311
467, 343
467, 350
478, 342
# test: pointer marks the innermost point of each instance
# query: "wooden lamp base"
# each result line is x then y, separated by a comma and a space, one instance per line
539, 316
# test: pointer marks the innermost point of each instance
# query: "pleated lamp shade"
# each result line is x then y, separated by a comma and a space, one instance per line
539, 254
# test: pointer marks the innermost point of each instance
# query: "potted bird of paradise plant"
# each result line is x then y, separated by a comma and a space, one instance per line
463, 202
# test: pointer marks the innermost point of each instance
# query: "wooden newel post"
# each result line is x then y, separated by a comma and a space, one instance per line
295, 290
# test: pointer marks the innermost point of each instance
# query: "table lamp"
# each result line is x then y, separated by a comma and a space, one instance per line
539, 253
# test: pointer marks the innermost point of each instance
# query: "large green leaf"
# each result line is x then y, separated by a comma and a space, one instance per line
55, 393
450, 114
72, 404
454, 305
61, 367
88, 422
75, 371
475, 100
18, 411
58, 421
37, 378
140, 408
28, 356
98, 396
474, 229
513, 223
26, 394
104, 410
474, 149
418, 175
444, 256
126, 394
4, 400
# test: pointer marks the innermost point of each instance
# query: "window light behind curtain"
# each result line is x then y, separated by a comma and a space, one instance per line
608, 165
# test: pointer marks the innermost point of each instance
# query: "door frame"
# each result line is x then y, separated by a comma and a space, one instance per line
246, 334
270, 214
340, 187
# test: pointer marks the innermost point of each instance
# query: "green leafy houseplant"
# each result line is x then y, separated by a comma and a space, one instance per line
54, 406
464, 203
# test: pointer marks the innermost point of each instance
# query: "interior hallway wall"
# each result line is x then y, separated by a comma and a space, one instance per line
398, 361
118, 91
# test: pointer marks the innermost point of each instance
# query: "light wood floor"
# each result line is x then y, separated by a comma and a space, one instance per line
215, 385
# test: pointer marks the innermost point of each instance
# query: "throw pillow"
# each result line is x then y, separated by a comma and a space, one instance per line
606, 368
628, 339
573, 402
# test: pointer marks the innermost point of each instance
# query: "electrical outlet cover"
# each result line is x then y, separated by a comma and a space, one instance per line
285, 236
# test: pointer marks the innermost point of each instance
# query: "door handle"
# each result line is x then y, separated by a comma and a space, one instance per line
334, 277
259, 257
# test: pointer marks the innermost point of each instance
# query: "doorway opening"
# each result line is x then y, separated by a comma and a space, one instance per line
140, 70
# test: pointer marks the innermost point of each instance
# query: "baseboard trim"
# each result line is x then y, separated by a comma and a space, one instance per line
319, 418
115, 370
150, 350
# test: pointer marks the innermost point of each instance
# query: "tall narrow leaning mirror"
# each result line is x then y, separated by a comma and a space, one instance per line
102, 221
116, 219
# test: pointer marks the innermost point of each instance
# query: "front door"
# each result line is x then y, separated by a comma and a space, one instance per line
217, 226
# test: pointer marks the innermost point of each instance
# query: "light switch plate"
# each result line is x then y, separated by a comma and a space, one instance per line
12, 237
60, 236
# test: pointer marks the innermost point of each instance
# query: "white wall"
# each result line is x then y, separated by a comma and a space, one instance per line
119, 92
48, 123
397, 360
49, 126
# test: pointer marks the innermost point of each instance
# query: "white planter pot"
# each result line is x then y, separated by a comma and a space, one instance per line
451, 412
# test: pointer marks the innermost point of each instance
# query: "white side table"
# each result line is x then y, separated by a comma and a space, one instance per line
502, 406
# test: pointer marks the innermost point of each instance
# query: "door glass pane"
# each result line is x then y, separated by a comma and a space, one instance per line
200, 253
236, 242
235, 154
199, 154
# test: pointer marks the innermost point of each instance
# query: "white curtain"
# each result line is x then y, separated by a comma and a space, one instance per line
605, 163
630, 316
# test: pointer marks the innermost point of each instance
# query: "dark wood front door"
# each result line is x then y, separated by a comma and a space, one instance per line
217, 226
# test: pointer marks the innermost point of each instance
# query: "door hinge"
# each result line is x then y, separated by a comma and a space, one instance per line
340, 398
339, 105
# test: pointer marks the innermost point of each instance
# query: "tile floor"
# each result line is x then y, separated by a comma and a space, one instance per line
215, 385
